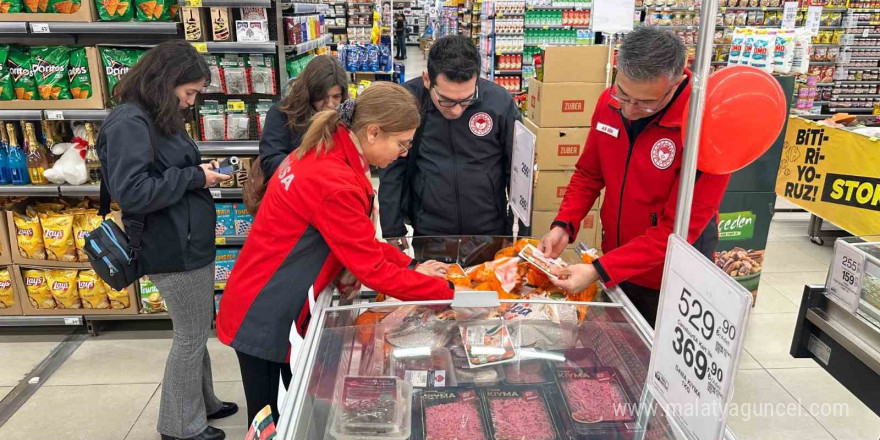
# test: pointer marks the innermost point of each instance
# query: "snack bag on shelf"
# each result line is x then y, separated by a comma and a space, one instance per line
84, 221
64, 6
114, 10
58, 236
151, 298
7, 92
29, 235
7, 296
21, 71
10, 6
117, 62
37, 289
91, 290
118, 298
62, 286
152, 10
78, 74
50, 64
34, 6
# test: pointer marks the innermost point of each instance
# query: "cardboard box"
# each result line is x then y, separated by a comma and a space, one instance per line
542, 220
99, 87
6, 249
568, 104
575, 64
557, 148
550, 189
86, 14
12, 233
30, 310
15, 309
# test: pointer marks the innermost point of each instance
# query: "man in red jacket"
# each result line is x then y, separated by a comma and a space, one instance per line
634, 151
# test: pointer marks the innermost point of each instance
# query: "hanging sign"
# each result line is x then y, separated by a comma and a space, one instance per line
522, 173
613, 15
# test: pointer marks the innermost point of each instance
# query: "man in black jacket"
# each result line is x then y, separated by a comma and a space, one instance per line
454, 180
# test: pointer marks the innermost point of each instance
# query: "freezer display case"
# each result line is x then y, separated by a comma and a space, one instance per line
516, 369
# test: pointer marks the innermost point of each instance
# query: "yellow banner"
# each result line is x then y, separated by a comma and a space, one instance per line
833, 174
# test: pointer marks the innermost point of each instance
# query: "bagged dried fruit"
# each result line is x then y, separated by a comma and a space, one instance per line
84, 221
114, 10
50, 71
7, 91
7, 296
58, 236
20, 69
37, 289
29, 235
78, 74
62, 286
91, 290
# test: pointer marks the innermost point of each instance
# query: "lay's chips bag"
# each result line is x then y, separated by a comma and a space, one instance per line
115, 10
91, 290
50, 71
78, 74
58, 236
117, 62
37, 289
7, 92
84, 221
29, 234
10, 6
118, 298
19, 63
7, 296
62, 286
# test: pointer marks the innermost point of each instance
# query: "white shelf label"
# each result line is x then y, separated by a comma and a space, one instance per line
522, 173
54, 115
789, 15
72, 321
845, 278
40, 28
216, 193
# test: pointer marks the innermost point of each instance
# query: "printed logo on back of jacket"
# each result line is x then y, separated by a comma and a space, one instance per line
284, 174
663, 153
481, 124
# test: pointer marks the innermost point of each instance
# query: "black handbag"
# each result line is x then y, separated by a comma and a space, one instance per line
112, 253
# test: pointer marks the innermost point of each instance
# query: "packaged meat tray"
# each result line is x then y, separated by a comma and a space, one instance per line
519, 413
450, 414
531, 371
539, 325
423, 367
373, 407
487, 343
465, 375
593, 398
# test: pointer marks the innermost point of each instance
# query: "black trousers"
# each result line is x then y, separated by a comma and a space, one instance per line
645, 299
260, 380
400, 46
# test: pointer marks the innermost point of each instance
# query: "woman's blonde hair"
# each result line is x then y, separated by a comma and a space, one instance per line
385, 104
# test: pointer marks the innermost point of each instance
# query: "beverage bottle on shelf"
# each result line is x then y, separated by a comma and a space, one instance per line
93, 164
4, 156
18, 172
49, 139
37, 162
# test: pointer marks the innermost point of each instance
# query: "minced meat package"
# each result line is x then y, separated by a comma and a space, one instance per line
453, 414
20, 69
593, 396
50, 65
517, 413
78, 74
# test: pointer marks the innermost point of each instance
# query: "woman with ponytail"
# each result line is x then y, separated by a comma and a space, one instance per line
316, 219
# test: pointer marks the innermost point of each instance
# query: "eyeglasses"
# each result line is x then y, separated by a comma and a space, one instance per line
404, 147
449, 103
650, 106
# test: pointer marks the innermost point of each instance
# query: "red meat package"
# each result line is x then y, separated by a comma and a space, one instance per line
454, 414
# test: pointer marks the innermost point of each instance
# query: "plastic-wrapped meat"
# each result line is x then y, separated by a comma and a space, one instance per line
594, 400
370, 403
526, 372
421, 327
453, 415
520, 415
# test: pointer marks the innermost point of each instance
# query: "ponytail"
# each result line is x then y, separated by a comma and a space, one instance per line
320, 134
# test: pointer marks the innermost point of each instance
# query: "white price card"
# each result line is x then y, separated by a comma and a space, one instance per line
701, 320
613, 15
844, 282
789, 15
814, 18
54, 115
522, 173
40, 28
216, 193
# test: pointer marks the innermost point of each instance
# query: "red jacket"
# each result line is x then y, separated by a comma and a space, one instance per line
313, 221
640, 178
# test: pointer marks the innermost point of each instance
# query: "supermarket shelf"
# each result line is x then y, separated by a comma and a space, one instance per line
556, 26
821, 102
29, 190
309, 45
856, 82
508, 35
234, 3
231, 240
335, 28
304, 8
138, 317
359, 13
868, 95
219, 285
823, 63
850, 109
226, 193
13, 27
664, 8
23, 115
864, 59
235, 47
738, 8
79, 190
229, 147
77, 115
508, 72
557, 8
105, 28
16, 321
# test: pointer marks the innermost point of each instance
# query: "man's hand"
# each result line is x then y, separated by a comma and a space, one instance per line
212, 178
433, 268
554, 242
575, 278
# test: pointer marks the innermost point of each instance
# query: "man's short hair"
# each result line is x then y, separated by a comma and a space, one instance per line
650, 53
454, 56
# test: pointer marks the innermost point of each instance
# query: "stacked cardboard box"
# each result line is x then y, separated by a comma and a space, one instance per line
560, 106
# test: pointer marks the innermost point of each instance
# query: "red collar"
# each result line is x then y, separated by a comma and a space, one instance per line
674, 113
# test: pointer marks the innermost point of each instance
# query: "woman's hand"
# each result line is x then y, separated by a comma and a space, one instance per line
575, 278
213, 178
433, 268
553, 242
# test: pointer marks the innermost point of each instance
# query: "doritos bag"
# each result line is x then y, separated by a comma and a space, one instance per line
152, 10
7, 92
10, 6
62, 286
19, 62
29, 235
50, 71
78, 74
58, 236
7, 296
92, 290
37, 290
33, 6
117, 62
84, 221
114, 10
63, 6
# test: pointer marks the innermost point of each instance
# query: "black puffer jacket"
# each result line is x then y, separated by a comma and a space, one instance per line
179, 213
461, 169
277, 141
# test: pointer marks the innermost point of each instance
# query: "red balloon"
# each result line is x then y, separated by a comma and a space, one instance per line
745, 112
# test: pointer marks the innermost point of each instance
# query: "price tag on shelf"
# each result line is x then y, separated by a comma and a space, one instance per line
866, 32
844, 282
54, 115
522, 172
220, 241
72, 321
789, 15
814, 19
216, 193
201, 47
701, 320
193, 3
40, 28
235, 105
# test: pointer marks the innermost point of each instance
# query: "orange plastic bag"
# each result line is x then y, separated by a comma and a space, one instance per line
456, 275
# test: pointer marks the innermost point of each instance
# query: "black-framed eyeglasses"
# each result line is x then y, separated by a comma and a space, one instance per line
647, 106
449, 103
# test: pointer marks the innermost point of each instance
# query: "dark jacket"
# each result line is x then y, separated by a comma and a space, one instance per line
179, 213
324, 203
277, 141
461, 169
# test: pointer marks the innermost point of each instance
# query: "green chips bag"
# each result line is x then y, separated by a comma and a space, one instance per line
64, 6
19, 63
153, 10
78, 74
114, 10
117, 62
7, 92
50, 71
10, 6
